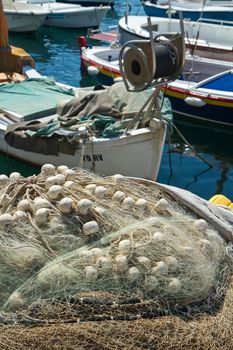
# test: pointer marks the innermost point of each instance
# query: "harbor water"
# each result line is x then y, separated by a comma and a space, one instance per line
201, 161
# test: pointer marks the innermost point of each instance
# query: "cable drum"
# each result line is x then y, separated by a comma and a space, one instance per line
166, 60
138, 66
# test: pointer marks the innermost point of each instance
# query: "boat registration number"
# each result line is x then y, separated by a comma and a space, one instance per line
93, 157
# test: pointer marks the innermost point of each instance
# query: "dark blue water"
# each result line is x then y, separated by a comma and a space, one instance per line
57, 54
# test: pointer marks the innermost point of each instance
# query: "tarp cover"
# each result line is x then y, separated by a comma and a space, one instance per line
33, 98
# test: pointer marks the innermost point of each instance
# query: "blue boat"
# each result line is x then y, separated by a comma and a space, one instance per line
212, 10
209, 100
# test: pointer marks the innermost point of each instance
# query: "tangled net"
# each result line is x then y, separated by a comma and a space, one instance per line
76, 247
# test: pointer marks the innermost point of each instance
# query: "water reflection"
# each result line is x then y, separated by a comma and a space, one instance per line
206, 175
55, 52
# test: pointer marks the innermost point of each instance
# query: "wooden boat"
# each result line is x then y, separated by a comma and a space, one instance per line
205, 39
23, 17
33, 101
123, 154
64, 15
218, 10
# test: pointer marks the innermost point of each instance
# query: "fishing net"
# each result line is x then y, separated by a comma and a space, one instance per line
117, 260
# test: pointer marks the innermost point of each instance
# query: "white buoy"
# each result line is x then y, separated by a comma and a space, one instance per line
61, 169
118, 178
91, 274
194, 101
83, 206
174, 286
69, 185
96, 252
3, 180
100, 211
161, 206
172, 263
104, 264
19, 215
40, 202
121, 263
86, 257
15, 176
100, 192
90, 228
69, 174
133, 274
144, 262
90, 188
118, 196
24, 205
60, 179
128, 203
66, 205
159, 269
201, 224
141, 204
92, 71
125, 246
48, 169
50, 181
41, 216
55, 192
15, 301
6, 219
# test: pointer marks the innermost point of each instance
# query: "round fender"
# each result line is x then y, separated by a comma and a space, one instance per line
194, 101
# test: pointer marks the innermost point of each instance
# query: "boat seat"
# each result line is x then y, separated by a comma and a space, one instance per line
194, 76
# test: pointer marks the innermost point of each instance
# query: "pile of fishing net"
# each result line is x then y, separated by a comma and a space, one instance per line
98, 260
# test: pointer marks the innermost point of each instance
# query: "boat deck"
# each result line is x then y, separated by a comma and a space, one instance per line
107, 37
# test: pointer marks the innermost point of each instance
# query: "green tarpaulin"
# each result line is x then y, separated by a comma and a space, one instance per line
33, 98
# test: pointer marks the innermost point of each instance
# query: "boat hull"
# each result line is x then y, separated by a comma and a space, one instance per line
214, 109
108, 71
83, 18
24, 22
205, 39
89, 2
212, 13
137, 154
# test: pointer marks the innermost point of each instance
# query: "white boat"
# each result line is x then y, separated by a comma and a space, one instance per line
135, 150
217, 10
23, 17
206, 39
123, 154
64, 15
90, 2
